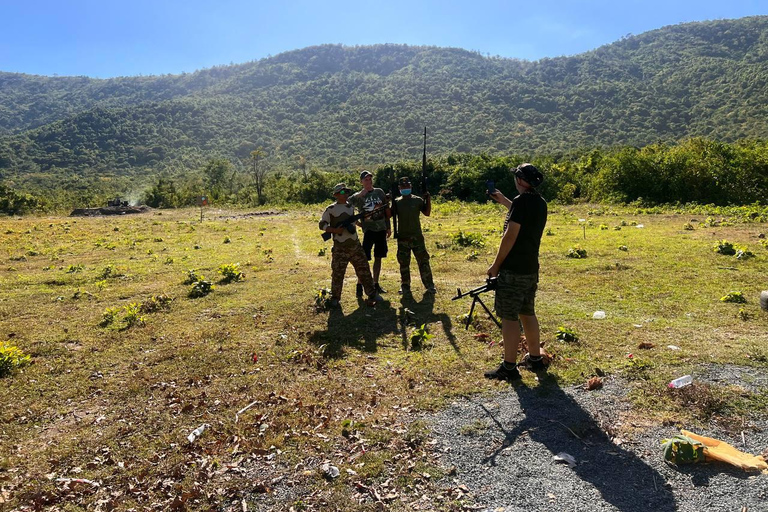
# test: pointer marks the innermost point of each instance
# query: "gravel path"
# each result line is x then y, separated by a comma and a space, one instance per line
502, 447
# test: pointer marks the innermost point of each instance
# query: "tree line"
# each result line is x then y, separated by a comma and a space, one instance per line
693, 171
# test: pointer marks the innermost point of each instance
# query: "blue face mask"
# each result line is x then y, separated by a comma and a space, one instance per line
405, 191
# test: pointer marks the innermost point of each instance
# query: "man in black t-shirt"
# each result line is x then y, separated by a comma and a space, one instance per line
516, 268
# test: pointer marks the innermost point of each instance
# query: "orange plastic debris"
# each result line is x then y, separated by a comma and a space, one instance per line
722, 451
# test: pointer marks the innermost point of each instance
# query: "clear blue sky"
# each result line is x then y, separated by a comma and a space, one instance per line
106, 38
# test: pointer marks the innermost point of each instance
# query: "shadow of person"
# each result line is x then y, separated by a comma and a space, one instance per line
360, 329
546, 421
423, 312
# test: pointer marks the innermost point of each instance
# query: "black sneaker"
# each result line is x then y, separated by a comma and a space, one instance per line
504, 373
359, 290
533, 363
379, 289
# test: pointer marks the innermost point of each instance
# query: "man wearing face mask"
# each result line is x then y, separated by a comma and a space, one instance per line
408, 209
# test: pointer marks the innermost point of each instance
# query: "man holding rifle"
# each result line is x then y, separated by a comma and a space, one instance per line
516, 268
346, 247
410, 238
376, 226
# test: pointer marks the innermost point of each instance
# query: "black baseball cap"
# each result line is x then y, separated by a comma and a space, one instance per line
364, 174
529, 173
405, 180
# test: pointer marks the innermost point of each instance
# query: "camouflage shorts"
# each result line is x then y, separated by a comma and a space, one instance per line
515, 294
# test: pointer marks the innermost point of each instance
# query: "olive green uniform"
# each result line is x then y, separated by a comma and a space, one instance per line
411, 240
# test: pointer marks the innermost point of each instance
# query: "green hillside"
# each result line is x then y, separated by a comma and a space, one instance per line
339, 107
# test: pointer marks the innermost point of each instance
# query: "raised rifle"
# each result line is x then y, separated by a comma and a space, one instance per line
349, 222
490, 284
424, 166
393, 211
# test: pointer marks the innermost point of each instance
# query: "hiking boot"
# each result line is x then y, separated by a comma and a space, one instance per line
533, 363
379, 289
504, 373
373, 300
359, 290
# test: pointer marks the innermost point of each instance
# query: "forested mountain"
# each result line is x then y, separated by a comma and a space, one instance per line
337, 107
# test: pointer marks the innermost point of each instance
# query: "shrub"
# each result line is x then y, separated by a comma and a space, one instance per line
131, 315
192, 277
11, 358
566, 334
74, 268
108, 316
155, 303
724, 247
576, 252
231, 273
200, 288
469, 239
734, 297
688, 226
322, 299
419, 336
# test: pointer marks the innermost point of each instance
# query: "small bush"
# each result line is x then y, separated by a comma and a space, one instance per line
200, 288
11, 358
132, 315
576, 252
192, 277
227, 240
688, 226
155, 303
74, 269
603, 227
566, 334
419, 336
231, 273
469, 239
109, 272
734, 297
109, 316
322, 299
724, 247
322, 251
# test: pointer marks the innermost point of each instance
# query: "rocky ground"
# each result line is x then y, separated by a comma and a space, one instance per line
503, 448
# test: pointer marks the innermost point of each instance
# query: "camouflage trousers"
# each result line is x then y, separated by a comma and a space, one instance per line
416, 245
342, 255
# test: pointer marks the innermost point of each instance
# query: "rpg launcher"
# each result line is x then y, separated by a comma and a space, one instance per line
490, 284
349, 222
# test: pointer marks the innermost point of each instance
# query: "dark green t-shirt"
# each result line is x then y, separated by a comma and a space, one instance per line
409, 208
530, 211
372, 200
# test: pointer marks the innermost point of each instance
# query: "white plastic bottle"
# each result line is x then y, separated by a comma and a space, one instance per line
681, 381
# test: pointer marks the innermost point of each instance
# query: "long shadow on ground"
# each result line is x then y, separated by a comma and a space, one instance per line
503, 450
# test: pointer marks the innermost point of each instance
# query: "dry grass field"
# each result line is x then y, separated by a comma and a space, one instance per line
125, 364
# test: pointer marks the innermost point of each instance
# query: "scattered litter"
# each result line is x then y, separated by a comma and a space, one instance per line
724, 452
682, 449
673, 347
640, 226
594, 383
329, 471
680, 382
241, 411
598, 315
197, 432
565, 457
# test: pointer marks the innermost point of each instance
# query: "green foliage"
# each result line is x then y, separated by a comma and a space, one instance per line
682, 449
109, 316
724, 247
469, 239
192, 277
734, 297
11, 358
566, 334
73, 269
110, 272
576, 252
230, 273
132, 315
200, 288
420, 336
322, 299
688, 226
155, 303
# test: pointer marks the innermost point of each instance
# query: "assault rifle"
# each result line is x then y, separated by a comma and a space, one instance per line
490, 284
393, 194
349, 222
